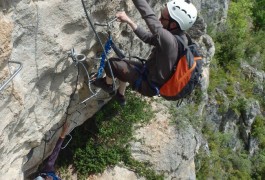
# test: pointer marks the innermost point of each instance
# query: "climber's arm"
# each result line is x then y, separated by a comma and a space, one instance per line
122, 17
139, 31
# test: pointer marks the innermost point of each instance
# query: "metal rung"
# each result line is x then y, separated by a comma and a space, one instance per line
13, 75
67, 141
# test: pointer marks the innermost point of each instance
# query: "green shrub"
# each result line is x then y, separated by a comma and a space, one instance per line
222, 162
239, 17
259, 14
255, 49
258, 130
217, 78
258, 168
104, 140
95, 158
229, 48
231, 41
236, 42
239, 105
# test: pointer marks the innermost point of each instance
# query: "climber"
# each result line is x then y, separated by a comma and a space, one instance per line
176, 17
47, 172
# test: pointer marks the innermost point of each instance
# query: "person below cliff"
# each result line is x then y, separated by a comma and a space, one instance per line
176, 17
47, 172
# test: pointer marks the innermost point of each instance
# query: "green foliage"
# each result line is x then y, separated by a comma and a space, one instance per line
258, 130
104, 140
95, 158
236, 42
230, 42
239, 105
239, 16
258, 170
141, 169
255, 49
222, 162
217, 77
259, 14
64, 173
183, 116
229, 48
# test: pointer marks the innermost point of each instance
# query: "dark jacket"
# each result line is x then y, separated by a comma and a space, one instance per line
166, 50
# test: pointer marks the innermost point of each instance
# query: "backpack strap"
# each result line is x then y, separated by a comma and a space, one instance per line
189, 39
189, 55
182, 42
197, 56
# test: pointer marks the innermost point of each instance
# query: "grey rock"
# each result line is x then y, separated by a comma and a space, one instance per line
40, 34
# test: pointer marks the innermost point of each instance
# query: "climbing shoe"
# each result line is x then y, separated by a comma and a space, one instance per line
120, 99
101, 83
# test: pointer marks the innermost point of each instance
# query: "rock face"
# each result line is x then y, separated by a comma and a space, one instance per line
214, 12
46, 93
169, 150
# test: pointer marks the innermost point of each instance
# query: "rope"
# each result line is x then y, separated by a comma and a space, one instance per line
104, 51
103, 57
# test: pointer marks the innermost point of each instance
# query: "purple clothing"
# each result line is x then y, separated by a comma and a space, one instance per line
49, 165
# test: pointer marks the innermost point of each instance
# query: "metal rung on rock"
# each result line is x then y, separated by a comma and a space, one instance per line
13, 75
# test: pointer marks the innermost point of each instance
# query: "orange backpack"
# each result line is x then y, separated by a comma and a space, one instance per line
187, 73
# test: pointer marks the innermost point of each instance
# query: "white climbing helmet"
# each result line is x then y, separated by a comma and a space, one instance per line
182, 11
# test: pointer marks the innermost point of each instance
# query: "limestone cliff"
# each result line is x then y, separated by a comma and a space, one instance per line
39, 34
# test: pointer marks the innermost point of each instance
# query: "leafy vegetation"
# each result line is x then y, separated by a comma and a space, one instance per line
258, 130
104, 140
222, 162
259, 15
240, 39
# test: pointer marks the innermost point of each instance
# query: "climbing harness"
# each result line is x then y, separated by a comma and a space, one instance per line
143, 77
13, 75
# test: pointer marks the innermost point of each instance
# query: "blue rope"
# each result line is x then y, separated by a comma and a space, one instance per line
103, 56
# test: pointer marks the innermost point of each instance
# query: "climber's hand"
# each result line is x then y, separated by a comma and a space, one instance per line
65, 130
122, 17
